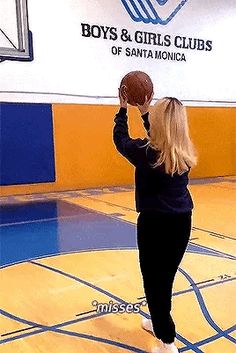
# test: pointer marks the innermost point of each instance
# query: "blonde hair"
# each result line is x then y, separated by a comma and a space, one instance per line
169, 134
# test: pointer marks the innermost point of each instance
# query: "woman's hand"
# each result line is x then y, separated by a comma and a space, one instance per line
144, 108
123, 97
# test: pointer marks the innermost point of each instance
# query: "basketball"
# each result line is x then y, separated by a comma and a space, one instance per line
138, 85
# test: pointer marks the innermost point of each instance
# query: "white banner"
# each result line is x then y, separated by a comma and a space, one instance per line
82, 49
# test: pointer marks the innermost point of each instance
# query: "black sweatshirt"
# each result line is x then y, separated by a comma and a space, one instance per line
154, 189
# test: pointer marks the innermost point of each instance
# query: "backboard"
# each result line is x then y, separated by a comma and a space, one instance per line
15, 37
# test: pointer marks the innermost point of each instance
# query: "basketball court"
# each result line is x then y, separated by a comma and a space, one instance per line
70, 277
62, 253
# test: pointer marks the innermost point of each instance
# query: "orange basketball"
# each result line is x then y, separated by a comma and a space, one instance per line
138, 85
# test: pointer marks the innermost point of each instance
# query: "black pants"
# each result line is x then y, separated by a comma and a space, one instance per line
162, 241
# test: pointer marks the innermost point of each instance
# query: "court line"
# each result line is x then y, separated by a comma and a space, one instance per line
113, 249
203, 307
206, 281
214, 233
56, 329
87, 312
73, 321
211, 180
101, 340
212, 284
86, 283
215, 337
120, 300
62, 254
195, 288
17, 331
107, 214
44, 220
219, 253
60, 195
106, 249
46, 328
42, 328
132, 209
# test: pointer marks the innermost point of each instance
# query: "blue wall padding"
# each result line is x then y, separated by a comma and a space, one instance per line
26, 144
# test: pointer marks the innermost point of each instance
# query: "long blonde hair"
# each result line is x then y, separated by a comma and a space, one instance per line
169, 134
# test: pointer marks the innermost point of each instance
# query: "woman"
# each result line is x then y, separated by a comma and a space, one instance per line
162, 160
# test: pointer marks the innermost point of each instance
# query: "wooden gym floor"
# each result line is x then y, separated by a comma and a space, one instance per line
64, 253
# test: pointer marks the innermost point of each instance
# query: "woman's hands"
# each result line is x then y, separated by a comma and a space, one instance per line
123, 97
144, 108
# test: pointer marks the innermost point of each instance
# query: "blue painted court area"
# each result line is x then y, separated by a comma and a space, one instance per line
37, 229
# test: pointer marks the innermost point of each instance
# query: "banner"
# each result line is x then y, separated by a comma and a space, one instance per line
82, 49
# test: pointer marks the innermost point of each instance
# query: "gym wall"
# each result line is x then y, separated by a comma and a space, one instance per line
57, 111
